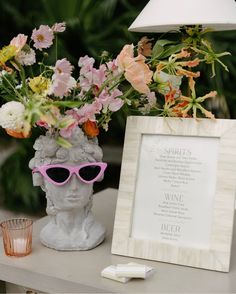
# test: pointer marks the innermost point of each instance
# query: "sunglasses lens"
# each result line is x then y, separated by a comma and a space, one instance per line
89, 173
58, 174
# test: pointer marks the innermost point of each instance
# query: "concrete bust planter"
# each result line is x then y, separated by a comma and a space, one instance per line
69, 194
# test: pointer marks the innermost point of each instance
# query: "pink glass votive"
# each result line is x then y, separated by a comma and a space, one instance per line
17, 236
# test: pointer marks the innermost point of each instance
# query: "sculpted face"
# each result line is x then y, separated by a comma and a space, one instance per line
74, 194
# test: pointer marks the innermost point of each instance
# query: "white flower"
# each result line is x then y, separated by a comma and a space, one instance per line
26, 58
3, 73
71, 83
164, 79
19, 86
12, 115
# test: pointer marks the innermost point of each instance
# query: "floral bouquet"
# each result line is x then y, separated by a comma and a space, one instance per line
155, 80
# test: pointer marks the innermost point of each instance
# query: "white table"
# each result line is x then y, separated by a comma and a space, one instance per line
51, 271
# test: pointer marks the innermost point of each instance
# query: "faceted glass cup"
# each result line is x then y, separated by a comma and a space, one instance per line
17, 236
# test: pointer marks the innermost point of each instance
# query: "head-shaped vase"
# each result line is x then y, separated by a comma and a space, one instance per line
66, 175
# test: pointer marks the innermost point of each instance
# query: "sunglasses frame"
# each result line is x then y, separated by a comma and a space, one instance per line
73, 169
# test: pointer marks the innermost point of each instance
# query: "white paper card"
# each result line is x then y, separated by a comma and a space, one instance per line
174, 193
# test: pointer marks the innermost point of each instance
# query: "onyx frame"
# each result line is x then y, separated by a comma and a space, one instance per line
217, 257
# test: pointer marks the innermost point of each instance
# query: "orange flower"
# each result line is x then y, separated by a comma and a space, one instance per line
191, 63
19, 135
187, 73
193, 103
177, 109
159, 67
136, 70
171, 95
90, 128
125, 57
139, 75
183, 54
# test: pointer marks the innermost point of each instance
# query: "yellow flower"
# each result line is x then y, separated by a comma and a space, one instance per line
50, 116
39, 84
7, 53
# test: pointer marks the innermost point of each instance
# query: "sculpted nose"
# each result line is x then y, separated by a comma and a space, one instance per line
74, 182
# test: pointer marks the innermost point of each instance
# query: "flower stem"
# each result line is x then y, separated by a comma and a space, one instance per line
22, 75
13, 88
131, 89
107, 83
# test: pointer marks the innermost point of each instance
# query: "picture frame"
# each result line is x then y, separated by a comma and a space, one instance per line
177, 191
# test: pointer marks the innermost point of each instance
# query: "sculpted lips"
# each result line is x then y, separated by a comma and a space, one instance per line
73, 197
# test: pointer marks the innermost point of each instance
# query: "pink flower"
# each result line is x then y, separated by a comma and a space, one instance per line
59, 27
67, 132
71, 83
90, 76
110, 101
86, 62
99, 76
87, 112
62, 81
42, 37
19, 41
73, 113
86, 82
115, 103
113, 67
59, 85
151, 97
63, 66
42, 123
62, 84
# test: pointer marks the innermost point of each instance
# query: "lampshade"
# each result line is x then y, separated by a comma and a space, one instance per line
169, 15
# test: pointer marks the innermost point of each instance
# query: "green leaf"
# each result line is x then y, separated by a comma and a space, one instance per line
172, 50
164, 42
70, 104
159, 47
63, 142
157, 51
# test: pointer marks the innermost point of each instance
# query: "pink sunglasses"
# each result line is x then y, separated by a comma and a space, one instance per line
59, 174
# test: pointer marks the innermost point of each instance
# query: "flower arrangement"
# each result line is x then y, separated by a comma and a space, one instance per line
155, 80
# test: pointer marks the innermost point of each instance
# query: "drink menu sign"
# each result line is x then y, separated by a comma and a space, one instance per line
175, 188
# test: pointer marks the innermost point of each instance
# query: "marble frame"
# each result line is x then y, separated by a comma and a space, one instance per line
217, 257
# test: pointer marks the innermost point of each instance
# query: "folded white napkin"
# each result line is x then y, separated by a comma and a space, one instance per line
110, 273
133, 270
124, 272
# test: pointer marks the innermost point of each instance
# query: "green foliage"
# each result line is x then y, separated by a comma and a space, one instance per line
224, 82
7, 93
94, 26
16, 180
159, 48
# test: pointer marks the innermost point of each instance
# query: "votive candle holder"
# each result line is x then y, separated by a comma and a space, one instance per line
17, 236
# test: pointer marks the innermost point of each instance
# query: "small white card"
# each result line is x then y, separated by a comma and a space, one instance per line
124, 272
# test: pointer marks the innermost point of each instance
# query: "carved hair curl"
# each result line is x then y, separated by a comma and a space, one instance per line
47, 151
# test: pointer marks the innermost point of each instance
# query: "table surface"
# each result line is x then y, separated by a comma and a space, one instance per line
49, 270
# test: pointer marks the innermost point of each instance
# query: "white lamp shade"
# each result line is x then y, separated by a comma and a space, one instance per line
169, 15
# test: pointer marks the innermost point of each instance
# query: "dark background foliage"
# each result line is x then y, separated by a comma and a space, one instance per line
92, 27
